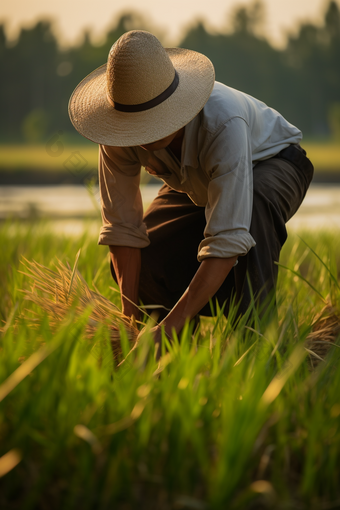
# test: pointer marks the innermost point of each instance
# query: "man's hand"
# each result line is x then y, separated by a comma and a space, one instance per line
206, 282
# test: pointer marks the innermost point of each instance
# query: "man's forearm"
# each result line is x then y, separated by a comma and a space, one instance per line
206, 282
127, 263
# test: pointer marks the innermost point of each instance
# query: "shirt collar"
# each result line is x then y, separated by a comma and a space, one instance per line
190, 144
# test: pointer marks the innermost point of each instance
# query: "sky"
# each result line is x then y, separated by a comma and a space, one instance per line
73, 16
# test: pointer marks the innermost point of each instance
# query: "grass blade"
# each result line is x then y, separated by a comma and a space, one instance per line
303, 279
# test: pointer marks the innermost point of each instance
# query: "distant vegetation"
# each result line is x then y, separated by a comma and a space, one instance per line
302, 81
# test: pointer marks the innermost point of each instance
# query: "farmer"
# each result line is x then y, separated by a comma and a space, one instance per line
233, 171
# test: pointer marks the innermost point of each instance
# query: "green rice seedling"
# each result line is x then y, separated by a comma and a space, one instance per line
325, 322
231, 416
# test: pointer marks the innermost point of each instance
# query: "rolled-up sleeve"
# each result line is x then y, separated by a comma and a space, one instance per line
121, 201
228, 161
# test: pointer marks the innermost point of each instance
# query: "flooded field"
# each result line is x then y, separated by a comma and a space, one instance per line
73, 208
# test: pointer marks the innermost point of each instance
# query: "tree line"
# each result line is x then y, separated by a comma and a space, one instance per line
301, 81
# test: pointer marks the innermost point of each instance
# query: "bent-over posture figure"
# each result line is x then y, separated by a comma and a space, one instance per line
233, 171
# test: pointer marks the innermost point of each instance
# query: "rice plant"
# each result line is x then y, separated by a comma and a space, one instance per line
231, 416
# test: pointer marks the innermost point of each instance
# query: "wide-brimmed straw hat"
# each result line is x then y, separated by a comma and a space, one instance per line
144, 93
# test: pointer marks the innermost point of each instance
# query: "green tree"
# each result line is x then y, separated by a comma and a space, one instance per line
243, 59
302, 81
34, 126
314, 56
29, 67
334, 120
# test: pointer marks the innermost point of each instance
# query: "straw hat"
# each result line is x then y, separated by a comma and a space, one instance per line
144, 93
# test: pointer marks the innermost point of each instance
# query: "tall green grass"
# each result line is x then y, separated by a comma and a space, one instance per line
231, 417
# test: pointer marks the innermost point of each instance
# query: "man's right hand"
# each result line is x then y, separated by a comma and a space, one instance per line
127, 263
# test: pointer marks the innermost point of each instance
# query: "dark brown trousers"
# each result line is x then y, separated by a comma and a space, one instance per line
175, 227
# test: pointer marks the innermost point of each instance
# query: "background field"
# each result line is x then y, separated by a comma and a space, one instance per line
34, 164
324, 155
233, 418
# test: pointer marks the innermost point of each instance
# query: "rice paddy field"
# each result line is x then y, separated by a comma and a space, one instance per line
79, 159
232, 416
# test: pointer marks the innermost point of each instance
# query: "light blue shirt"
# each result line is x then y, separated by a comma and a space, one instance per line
221, 145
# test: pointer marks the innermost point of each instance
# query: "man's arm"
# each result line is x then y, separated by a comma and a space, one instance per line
127, 262
206, 282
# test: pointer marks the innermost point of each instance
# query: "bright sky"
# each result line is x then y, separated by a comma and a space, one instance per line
73, 16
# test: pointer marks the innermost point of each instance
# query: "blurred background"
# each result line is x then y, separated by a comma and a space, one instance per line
285, 53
